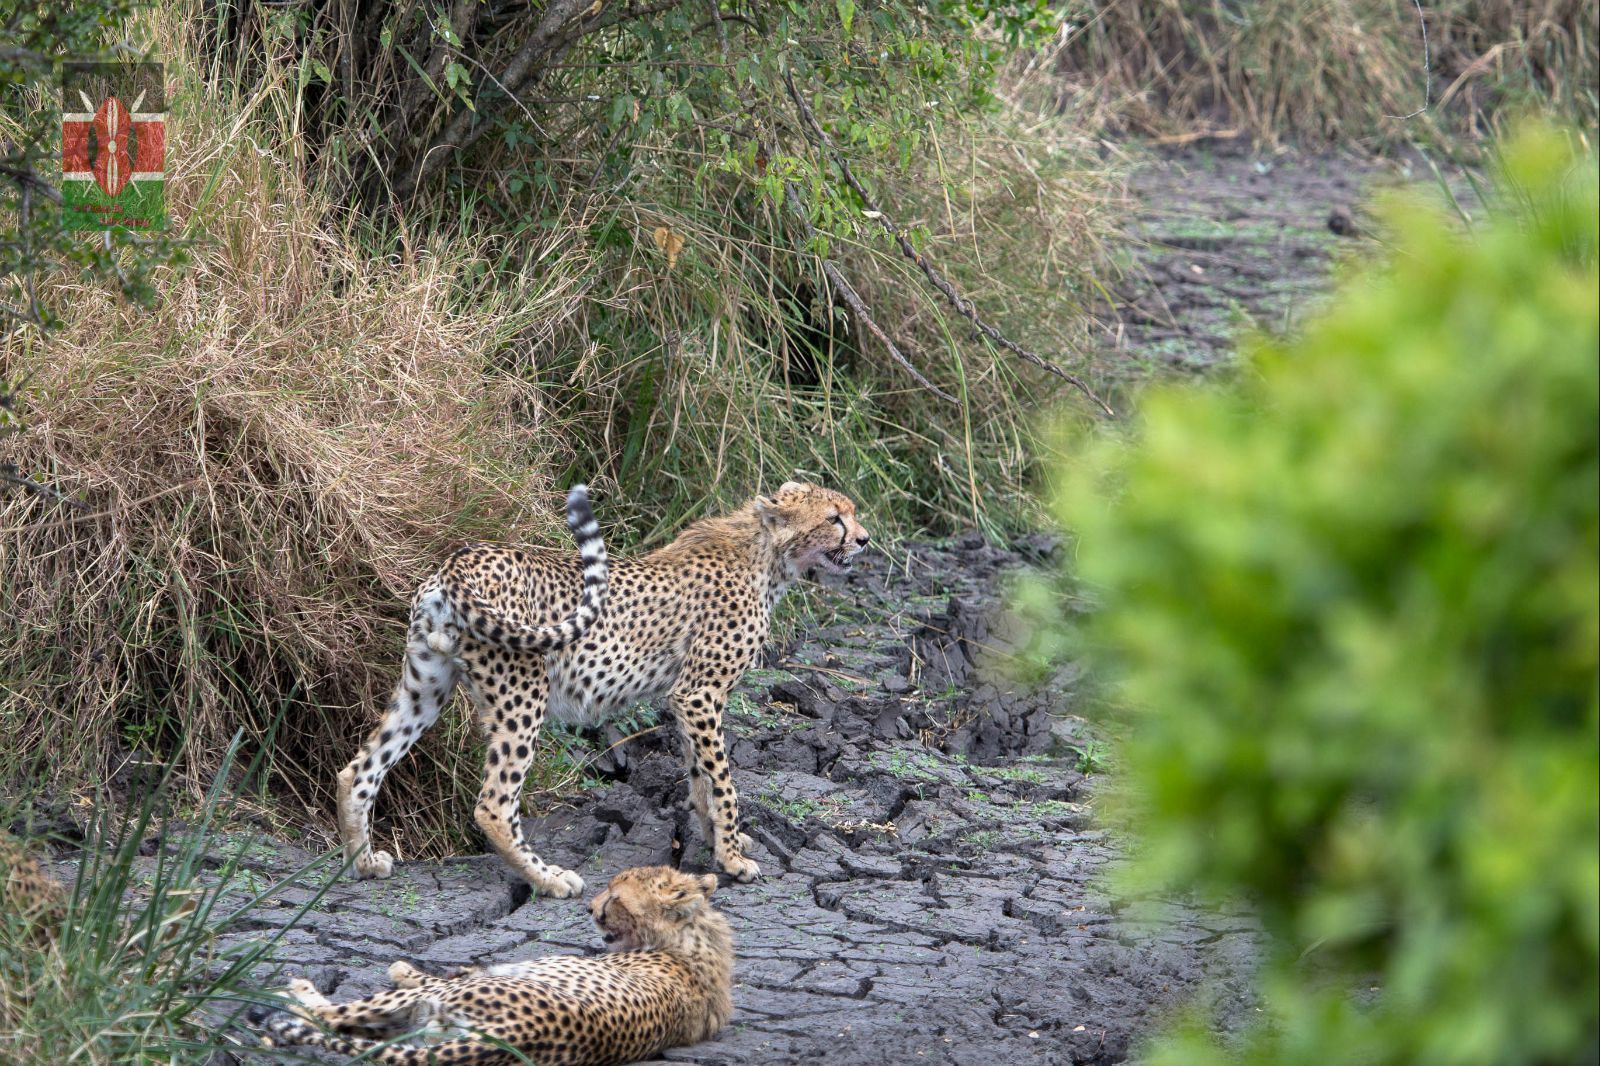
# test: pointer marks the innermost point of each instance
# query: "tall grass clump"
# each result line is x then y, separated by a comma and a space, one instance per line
629, 276
1350, 609
265, 463
144, 959
1340, 70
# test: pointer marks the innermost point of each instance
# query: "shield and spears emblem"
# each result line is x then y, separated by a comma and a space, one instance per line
113, 146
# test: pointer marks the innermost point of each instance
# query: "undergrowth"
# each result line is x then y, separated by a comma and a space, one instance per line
147, 958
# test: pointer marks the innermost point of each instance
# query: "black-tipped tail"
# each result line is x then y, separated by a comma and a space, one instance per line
489, 625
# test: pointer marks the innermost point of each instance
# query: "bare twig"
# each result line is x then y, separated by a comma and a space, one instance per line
722, 29
458, 133
27, 179
961, 304
558, 29
1427, 67
1472, 69
858, 306
87, 515
1173, 139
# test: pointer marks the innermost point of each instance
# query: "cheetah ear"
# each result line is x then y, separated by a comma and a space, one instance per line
790, 486
767, 511
684, 907
708, 884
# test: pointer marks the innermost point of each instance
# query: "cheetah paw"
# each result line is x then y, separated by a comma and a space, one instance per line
374, 864
559, 884
740, 868
306, 997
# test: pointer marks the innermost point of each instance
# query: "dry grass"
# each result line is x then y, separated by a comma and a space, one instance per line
267, 464
1348, 70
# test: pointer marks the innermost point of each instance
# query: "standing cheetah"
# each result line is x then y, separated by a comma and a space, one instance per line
667, 981
531, 632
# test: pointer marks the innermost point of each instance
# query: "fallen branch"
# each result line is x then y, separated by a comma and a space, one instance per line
961, 304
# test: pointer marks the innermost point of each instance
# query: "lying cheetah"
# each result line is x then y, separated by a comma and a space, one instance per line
536, 631
666, 982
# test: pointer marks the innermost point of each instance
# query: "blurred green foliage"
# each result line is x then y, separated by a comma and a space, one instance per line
1349, 606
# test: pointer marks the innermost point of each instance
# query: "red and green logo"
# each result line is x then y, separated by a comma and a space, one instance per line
113, 146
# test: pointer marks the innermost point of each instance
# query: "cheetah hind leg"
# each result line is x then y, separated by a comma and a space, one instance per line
427, 679
511, 692
404, 975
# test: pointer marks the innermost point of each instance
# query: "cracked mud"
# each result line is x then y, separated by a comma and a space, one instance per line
929, 855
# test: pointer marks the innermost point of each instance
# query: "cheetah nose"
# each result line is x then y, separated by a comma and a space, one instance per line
862, 540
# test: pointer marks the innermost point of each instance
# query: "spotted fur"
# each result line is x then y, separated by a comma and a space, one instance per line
666, 982
531, 632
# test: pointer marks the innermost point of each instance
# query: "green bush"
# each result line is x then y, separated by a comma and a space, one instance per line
1350, 609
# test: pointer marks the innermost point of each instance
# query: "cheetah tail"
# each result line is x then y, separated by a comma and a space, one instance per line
287, 1029
492, 627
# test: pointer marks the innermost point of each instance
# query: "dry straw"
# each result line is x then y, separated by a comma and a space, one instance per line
267, 463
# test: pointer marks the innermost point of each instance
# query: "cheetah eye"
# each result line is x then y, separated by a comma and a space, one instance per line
837, 520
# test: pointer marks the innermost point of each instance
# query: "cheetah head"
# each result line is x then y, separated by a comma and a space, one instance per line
814, 529
648, 906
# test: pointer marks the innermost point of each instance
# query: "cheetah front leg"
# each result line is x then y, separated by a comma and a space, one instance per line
698, 713
512, 692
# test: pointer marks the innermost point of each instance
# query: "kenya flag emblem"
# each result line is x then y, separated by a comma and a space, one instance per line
113, 145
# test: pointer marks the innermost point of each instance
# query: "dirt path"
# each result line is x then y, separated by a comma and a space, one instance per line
1231, 241
929, 856
925, 826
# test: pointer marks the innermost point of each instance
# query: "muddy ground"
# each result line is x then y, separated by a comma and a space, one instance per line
1231, 241
932, 865
925, 830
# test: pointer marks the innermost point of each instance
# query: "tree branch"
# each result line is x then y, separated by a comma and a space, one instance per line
858, 306
961, 304
458, 134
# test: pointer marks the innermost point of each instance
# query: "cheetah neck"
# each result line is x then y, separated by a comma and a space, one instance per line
779, 576
742, 537
704, 948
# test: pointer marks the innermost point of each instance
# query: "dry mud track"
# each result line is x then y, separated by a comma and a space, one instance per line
928, 847
1225, 241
